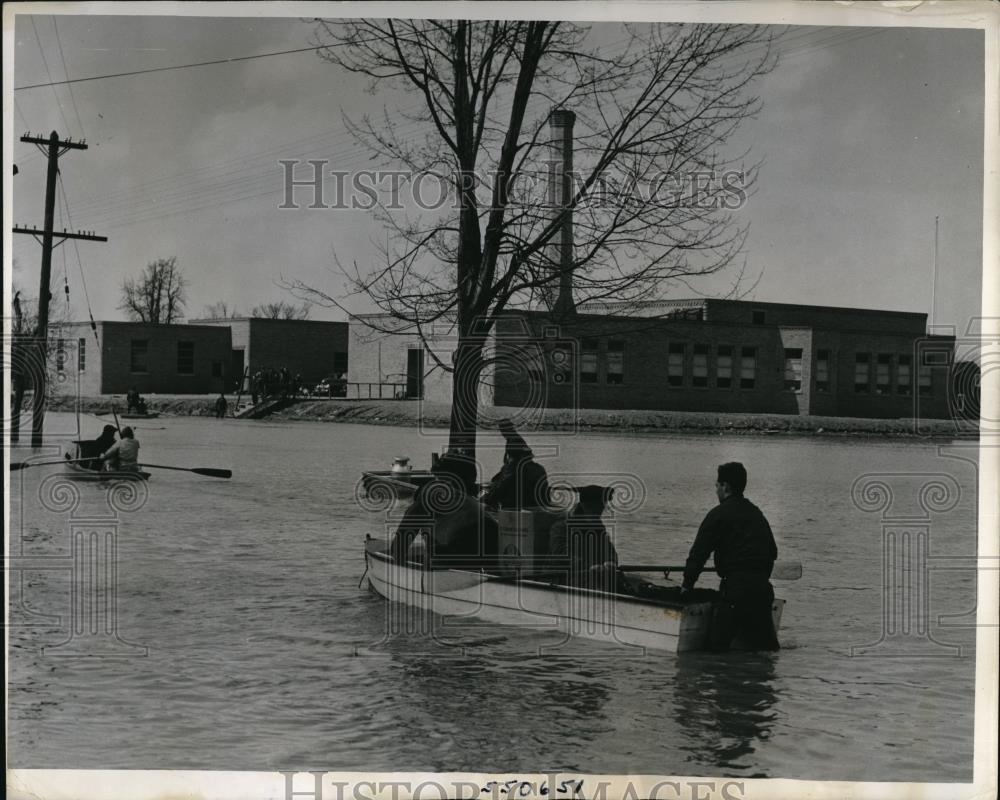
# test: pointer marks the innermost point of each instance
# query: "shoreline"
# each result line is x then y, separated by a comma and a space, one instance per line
411, 413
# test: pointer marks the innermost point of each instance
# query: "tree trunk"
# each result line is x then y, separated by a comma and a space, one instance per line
465, 395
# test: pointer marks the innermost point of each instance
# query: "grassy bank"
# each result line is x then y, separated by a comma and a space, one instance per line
408, 413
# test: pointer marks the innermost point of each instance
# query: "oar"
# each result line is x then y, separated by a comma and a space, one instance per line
783, 570
16, 465
212, 473
116, 422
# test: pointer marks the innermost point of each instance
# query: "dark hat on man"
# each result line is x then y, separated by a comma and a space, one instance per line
592, 494
108, 429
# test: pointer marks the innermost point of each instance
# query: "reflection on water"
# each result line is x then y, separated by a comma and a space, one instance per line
264, 653
727, 700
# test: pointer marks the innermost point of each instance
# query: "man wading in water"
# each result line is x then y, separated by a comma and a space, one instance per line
741, 538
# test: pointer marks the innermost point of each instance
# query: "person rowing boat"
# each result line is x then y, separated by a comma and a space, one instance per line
739, 535
123, 456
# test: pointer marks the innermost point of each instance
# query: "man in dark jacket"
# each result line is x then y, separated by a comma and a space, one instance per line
521, 482
740, 537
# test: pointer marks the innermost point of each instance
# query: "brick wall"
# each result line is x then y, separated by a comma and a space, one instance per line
161, 375
651, 350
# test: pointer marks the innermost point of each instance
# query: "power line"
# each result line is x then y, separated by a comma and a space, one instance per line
62, 57
47, 72
232, 60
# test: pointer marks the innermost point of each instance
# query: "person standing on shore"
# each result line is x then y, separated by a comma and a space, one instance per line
221, 406
739, 535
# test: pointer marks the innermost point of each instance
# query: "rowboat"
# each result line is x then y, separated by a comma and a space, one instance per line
393, 484
77, 472
147, 415
537, 603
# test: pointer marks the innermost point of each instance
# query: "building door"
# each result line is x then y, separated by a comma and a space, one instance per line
238, 369
414, 373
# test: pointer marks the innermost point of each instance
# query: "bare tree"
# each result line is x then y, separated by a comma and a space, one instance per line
281, 310
652, 194
158, 295
220, 310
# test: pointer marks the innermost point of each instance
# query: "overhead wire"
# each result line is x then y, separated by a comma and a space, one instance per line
243, 182
69, 86
83, 280
45, 63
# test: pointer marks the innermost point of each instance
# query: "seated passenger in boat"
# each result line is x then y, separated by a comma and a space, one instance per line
521, 482
123, 456
94, 449
740, 537
580, 544
458, 529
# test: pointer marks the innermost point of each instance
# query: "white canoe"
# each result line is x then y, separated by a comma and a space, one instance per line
541, 605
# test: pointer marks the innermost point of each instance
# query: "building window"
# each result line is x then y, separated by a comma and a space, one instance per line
588, 361
140, 356
758, 317
724, 367
748, 368
340, 363
924, 384
699, 366
185, 358
861, 376
822, 370
60, 355
904, 374
675, 364
616, 362
883, 373
81, 355
793, 369
216, 369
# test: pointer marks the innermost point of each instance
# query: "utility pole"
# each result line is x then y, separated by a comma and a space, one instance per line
53, 147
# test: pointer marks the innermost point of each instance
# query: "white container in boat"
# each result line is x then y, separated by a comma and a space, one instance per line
401, 465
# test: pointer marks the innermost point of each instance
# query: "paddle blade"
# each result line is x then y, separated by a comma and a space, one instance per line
16, 465
213, 473
787, 571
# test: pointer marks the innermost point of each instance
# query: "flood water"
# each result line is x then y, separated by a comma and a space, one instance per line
243, 640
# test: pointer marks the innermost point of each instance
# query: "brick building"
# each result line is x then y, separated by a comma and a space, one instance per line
161, 359
725, 355
315, 350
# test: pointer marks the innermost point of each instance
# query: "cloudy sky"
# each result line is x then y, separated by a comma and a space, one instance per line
867, 134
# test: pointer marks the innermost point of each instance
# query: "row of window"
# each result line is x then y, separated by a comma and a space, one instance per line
893, 373
139, 357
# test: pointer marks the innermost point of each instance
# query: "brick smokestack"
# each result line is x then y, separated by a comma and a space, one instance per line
560, 196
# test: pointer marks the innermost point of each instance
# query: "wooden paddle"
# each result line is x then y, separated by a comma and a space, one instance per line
212, 473
16, 465
782, 571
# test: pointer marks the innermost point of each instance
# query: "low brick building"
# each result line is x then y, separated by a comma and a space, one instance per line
160, 359
725, 355
312, 349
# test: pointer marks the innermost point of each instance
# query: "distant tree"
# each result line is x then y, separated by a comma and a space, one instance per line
158, 295
281, 310
220, 310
